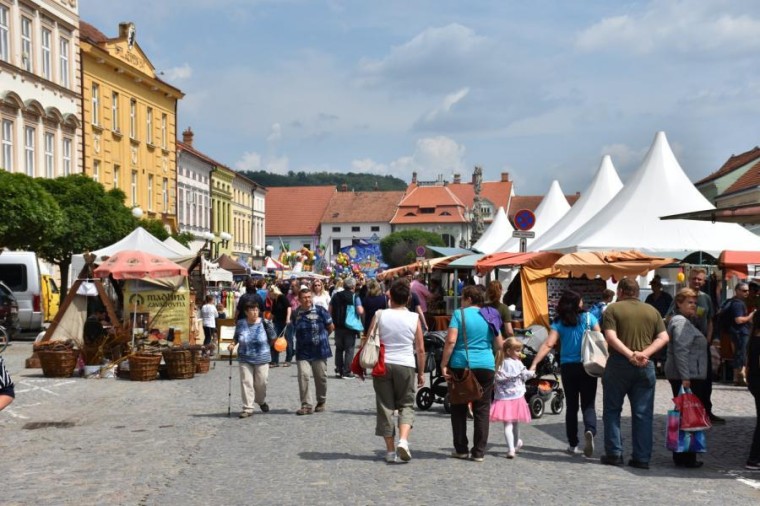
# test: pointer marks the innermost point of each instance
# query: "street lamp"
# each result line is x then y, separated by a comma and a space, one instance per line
137, 212
224, 239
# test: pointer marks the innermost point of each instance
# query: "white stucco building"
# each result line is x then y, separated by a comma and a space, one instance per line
40, 87
193, 187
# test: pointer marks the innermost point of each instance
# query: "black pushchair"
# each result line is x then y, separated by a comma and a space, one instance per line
545, 386
438, 390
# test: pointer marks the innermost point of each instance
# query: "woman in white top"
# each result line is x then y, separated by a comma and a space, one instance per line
401, 335
319, 296
209, 314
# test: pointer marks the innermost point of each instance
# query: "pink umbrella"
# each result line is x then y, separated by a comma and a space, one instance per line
271, 263
132, 264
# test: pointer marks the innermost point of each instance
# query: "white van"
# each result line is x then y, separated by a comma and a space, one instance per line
20, 270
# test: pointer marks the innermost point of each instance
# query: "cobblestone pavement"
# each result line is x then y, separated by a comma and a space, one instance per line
171, 442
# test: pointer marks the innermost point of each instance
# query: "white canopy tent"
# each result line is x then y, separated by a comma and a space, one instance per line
603, 188
178, 246
551, 209
495, 234
139, 239
212, 272
631, 220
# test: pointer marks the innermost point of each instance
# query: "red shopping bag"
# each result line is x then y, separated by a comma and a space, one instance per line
693, 414
378, 370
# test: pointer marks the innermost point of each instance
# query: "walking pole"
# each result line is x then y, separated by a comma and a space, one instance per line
229, 389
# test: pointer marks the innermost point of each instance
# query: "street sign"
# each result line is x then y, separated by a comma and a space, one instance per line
524, 219
523, 234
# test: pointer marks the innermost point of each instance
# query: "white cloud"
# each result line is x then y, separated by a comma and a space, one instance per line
681, 26
249, 161
431, 60
278, 165
444, 108
180, 73
254, 161
275, 135
432, 157
369, 166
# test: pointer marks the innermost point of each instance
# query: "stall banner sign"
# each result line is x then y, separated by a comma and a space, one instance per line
159, 309
591, 291
367, 256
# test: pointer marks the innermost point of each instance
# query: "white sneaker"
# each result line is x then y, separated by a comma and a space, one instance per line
588, 447
390, 457
403, 450
573, 450
518, 445
510, 454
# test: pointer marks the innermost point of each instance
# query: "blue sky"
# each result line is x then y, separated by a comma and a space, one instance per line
538, 89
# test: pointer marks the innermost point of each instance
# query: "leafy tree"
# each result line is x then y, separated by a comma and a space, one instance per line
354, 181
398, 248
93, 218
184, 238
29, 214
155, 227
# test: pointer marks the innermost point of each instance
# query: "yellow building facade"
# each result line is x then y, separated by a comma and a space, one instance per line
129, 122
221, 209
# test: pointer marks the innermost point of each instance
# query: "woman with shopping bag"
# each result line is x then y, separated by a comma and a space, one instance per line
686, 364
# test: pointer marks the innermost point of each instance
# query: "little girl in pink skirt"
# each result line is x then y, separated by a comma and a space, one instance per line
509, 404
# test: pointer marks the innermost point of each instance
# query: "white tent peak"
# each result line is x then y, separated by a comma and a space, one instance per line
552, 207
177, 246
605, 185
496, 233
631, 220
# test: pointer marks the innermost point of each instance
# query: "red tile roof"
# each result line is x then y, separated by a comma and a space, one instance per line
750, 179
531, 202
89, 32
362, 207
733, 163
496, 192
296, 210
429, 204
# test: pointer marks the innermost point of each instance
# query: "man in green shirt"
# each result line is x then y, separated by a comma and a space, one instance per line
634, 332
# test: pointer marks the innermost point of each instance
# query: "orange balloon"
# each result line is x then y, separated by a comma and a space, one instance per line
280, 344
680, 277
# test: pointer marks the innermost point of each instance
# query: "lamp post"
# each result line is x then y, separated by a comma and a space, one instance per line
137, 212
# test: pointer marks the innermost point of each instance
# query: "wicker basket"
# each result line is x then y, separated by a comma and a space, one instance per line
58, 363
179, 364
203, 365
143, 366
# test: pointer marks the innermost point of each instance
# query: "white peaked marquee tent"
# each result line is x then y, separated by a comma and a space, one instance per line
497, 232
603, 188
631, 220
551, 209
178, 246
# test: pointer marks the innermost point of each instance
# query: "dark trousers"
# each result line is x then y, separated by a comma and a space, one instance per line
345, 342
208, 334
698, 388
578, 386
481, 411
708, 381
754, 451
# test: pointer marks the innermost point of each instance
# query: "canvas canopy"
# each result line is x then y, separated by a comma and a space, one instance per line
603, 188
631, 220
606, 264
551, 209
177, 246
228, 263
421, 265
496, 233
736, 263
212, 272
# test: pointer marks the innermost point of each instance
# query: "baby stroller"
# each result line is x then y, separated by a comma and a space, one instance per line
438, 390
545, 386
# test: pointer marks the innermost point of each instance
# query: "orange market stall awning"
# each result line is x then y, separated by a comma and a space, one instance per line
421, 265
736, 263
606, 264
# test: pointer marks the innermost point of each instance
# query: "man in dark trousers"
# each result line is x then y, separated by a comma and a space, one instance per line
345, 337
250, 294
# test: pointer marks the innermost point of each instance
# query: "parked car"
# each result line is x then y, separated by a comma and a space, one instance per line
8, 311
20, 270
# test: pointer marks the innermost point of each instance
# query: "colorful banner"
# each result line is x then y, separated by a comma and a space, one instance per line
158, 308
366, 256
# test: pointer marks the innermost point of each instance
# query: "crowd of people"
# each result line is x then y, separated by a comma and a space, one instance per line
480, 339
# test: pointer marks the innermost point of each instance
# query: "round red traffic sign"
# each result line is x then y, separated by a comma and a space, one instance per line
524, 219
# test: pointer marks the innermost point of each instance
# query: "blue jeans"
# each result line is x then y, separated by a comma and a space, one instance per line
622, 378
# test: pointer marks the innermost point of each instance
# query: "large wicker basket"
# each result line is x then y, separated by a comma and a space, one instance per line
203, 365
179, 364
58, 363
143, 366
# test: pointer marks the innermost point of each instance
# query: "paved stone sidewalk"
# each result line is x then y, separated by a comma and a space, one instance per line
171, 442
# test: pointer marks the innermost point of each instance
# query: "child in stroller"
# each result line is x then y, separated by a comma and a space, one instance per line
438, 390
545, 387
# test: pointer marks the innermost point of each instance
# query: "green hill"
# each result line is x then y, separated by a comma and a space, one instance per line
354, 181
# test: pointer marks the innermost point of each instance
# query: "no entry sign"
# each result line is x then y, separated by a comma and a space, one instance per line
524, 219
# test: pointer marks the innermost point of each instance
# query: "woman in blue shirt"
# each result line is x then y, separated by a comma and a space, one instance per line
569, 325
253, 338
481, 341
